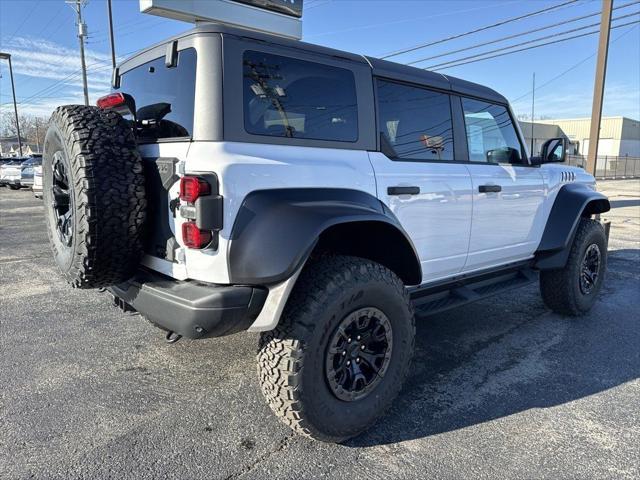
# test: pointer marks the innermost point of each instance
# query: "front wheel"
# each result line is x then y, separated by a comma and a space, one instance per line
573, 289
342, 349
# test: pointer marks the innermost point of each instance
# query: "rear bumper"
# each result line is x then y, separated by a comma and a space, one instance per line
10, 181
192, 309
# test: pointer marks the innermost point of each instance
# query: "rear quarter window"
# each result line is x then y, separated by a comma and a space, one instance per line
164, 96
287, 97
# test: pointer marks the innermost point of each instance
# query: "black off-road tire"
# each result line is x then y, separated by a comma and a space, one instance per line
560, 288
96, 149
14, 187
291, 358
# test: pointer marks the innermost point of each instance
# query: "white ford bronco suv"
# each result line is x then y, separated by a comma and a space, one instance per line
237, 181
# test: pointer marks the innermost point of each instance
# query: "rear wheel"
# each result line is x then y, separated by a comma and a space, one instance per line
94, 196
342, 349
14, 187
573, 289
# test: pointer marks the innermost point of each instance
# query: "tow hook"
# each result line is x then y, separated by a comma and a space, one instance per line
172, 337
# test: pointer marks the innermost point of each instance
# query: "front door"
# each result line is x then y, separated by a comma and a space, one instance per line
418, 179
508, 194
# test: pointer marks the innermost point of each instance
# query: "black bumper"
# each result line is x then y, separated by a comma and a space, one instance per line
189, 308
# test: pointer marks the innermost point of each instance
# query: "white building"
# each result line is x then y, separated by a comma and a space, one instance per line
619, 136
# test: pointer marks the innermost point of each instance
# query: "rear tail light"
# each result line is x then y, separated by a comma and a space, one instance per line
193, 237
193, 187
110, 101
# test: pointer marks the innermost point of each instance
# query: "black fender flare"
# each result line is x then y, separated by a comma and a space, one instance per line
276, 230
573, 202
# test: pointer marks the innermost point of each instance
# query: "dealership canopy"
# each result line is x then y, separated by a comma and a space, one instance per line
280, 17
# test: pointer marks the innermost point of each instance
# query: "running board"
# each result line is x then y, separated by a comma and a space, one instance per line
432, 299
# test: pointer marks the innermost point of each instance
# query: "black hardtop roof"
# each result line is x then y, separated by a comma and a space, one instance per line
382, 68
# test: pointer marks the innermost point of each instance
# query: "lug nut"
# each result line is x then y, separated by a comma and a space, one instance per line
362, 347
349, 340
358, 337
358, 360
348, 362
344, 352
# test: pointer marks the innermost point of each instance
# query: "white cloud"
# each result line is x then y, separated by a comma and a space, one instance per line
46, 60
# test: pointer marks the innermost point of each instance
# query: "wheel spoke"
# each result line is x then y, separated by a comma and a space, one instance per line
358, 353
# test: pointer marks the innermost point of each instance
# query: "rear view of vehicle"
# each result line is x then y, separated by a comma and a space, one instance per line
27, 170
37, 181
10, 174
236, 181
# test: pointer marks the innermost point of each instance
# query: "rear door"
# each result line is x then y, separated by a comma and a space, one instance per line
418, 177
508, 193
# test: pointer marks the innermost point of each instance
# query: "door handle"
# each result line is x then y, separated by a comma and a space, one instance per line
403, 190
489, 188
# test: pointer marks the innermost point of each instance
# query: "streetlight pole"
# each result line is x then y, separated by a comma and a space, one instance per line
7, 56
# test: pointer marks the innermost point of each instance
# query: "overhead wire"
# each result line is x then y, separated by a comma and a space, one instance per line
470, 32
519, 34
570, 69
528, 42
532, 47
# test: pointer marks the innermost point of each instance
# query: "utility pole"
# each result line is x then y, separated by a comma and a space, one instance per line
37, 135
598, 90
7, 56
82, 33
111, 40
533, 108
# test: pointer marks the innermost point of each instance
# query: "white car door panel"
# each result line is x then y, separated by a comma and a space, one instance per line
508, 194
438, 219
507, 224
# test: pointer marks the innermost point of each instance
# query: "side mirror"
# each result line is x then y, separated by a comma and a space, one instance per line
553, 150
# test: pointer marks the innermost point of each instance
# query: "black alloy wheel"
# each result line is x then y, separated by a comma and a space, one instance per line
358, 354
62, 199
590, 269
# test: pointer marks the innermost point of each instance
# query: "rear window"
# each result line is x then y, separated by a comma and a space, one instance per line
164, 96
287, 97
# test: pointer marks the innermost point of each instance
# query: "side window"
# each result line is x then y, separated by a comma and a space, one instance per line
414, 122
286, 97
491, 135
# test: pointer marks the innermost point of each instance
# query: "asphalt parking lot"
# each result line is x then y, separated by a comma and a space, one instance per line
503, 388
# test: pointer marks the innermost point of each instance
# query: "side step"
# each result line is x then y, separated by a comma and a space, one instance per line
432, 299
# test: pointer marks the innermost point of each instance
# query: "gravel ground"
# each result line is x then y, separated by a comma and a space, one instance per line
503, 388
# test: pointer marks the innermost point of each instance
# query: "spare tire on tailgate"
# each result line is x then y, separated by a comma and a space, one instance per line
94, 196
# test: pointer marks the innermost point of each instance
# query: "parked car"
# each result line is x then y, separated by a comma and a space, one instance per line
320, 198
37, 181
27, 170
10, 173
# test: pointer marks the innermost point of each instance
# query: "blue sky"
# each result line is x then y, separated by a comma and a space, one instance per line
40, 34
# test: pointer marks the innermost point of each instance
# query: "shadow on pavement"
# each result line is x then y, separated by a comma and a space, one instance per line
505, 356
625, 203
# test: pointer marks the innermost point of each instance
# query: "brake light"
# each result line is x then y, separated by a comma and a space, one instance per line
111, 100
193, 237
193, 187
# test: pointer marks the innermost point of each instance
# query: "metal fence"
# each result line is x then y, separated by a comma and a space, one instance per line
608, 166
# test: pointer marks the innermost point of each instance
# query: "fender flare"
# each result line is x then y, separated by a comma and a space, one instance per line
276, 230
573, 202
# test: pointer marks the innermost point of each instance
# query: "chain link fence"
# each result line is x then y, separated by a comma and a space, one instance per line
608, 166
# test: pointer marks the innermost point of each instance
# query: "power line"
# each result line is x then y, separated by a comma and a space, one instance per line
509, 37
532, 47
487, 27
573, 67
33, 9
508, 47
